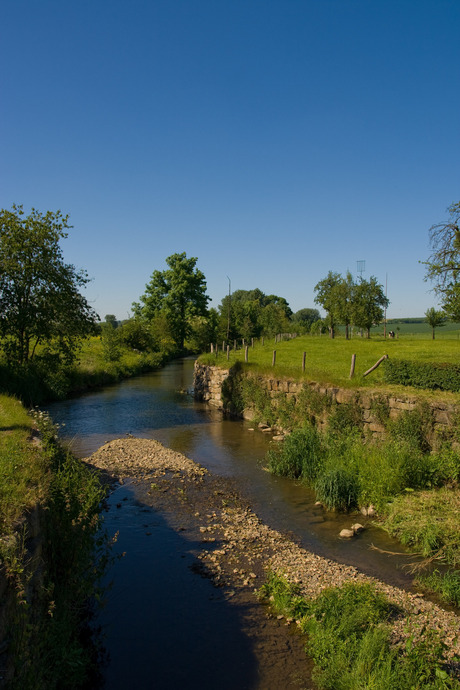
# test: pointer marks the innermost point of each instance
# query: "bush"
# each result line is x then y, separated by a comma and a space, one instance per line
338, 488
431, 375
300, 457
447, 585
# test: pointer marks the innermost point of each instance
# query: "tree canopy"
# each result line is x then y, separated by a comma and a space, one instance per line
178, 294
253, 313
349, 303
443, 265
435, 318
40, 302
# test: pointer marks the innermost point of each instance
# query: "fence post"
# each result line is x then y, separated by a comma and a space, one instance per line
274, 358
246, 353
212, 348
234, 344
252, 342
353, 362
303, 360
228, 352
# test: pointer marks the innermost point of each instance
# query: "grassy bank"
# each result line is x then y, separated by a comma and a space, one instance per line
42, 380
44, 634
348, 635
329, 361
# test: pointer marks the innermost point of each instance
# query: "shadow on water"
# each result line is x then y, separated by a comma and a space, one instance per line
153, 406
163, 625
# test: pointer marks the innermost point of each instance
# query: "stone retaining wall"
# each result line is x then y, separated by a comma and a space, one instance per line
208, 382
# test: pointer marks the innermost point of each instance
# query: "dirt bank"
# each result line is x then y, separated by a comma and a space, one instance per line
237, 548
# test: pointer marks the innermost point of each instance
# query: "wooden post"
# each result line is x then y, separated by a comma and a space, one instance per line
234, 344
274, 358
246, 353
223, 346
353, 362
243, 342
252, 342
228, 352
212, 348
304, 356
375, 365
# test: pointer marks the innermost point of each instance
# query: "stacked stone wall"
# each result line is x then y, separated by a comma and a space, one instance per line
208, 382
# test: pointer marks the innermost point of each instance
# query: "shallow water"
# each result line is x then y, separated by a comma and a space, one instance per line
163, 626
158, 406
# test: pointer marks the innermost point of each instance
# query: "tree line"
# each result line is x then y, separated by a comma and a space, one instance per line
44, 315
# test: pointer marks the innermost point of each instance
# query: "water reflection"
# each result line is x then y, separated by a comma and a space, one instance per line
153, 406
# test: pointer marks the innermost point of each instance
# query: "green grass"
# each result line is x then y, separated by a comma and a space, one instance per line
41, 381
328, 361
428, 522
348, 633
24, 477
44, 628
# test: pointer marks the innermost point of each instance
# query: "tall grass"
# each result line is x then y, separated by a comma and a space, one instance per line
45, 625
348, 632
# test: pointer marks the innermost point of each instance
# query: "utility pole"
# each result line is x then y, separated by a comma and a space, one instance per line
229, 305
385, 317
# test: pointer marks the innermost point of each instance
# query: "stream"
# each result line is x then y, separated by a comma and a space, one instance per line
158, 609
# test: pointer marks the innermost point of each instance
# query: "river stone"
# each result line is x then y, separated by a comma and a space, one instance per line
357, 527
347, 534
279, 437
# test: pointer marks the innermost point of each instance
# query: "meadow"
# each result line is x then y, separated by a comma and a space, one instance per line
328, 361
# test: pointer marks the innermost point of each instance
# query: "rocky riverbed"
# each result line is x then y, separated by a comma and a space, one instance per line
238, 548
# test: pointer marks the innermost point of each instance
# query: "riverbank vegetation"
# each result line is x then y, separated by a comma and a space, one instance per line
46, 618
348, 635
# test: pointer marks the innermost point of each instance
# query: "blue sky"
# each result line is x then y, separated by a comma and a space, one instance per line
274, 140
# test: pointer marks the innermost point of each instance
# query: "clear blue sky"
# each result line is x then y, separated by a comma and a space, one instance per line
275, 140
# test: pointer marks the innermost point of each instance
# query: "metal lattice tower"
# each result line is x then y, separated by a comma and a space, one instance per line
360, 267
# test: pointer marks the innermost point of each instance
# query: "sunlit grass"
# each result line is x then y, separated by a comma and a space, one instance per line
328, 361
23, 469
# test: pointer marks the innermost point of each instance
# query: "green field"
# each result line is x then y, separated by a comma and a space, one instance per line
329, 361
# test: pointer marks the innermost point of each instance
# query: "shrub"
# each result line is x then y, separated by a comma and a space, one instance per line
300, 456
413, 427
431, 375
345, 418
447, 585
338, 488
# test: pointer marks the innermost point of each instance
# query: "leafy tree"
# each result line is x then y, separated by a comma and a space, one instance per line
136, 334
435, 319
110, 337
40, 302
112, 320
273, 319
178, 294
305, 318
344, 296
252, 314
327, 295
368, 304
443, 266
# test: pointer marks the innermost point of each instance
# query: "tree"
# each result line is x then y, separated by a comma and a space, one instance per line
252, 314
305, 318
368, 304
40, 302
327, 296
443, 265
435, 319
344, 296
178, 294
